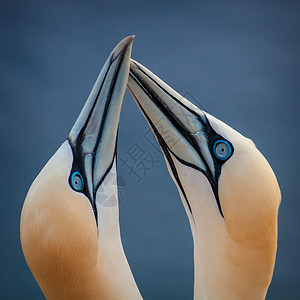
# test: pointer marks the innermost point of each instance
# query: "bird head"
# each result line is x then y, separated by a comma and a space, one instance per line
241, 183
227, 187
62, 217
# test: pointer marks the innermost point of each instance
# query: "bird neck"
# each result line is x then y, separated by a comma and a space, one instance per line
113, 269
224, 268
69, 256
105, 273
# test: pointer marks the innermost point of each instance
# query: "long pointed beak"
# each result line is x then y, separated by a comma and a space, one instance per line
182, 130
177, 123
93, 137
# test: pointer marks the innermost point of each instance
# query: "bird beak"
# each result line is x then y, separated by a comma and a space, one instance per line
93, 138
182, 129
179, 126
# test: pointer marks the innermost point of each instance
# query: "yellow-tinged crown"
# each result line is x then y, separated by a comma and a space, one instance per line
58, 228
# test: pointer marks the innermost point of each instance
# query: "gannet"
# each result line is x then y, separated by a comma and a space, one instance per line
69, 227
227, 187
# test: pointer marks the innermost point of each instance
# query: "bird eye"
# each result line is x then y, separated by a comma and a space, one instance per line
222, 149
77, 181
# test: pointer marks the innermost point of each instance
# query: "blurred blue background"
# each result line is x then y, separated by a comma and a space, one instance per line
237, 59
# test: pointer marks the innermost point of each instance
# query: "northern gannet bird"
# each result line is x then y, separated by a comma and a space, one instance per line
228, 189
70, 231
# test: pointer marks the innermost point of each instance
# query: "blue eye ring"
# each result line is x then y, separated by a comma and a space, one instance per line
77, 181
220, 152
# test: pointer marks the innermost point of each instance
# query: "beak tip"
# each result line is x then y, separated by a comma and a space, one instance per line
131, 36
123, 46
128, 40
134, 65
